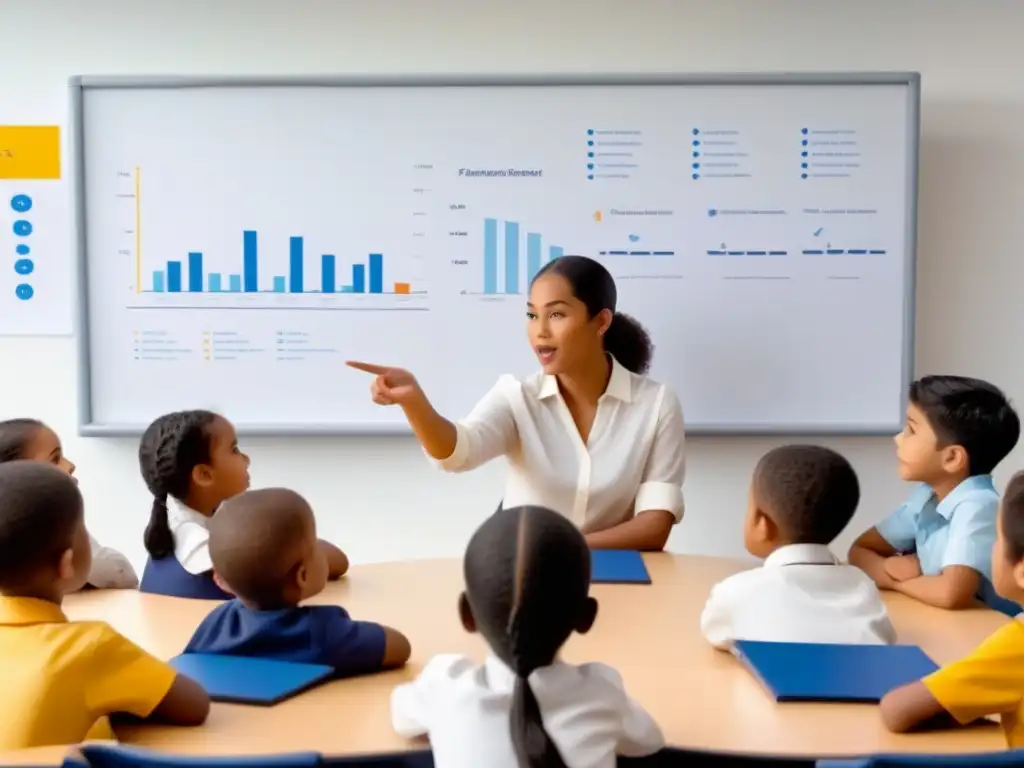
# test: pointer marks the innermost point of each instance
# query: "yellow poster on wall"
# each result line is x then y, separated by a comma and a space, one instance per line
29, 152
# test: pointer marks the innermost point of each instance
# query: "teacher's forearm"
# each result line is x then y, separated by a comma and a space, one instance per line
436, 434
647, 532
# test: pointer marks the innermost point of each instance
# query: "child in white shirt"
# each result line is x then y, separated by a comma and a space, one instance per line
527, 574
801, 498
30, 439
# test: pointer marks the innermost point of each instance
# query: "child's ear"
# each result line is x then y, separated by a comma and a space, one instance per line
202, 475
587, 616
221, 583
955, 460
466, 614
66, 565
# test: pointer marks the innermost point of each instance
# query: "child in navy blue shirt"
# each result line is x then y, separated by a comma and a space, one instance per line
191, 463
264, 550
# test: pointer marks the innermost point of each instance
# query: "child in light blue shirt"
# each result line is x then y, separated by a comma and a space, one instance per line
937, 547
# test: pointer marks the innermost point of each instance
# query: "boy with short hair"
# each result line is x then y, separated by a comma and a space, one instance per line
990, 680
264, 549
937, 547
61, 680
801, 498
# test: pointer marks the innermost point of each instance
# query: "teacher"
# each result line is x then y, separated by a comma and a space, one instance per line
589, 436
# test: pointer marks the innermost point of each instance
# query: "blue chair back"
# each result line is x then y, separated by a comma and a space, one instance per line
121, 756
1014, 757
997, 602
166, 576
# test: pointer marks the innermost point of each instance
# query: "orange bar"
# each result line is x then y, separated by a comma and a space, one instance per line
401, 287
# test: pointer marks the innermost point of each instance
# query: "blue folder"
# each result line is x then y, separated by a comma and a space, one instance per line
245, 680
618, 566
823, 672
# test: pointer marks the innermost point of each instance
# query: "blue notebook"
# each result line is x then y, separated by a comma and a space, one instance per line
618, 566
244, 680
841, 673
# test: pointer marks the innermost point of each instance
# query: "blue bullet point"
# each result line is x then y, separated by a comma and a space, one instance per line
590, 143
695, 131
803, 131
803, 154
696, 165
696, 154
590, 154
21, 203
803, 175
591, 177
696, 143
22, 250
22, 228
804, 142
696, 176
24, 266
24, 292
590, 166
803, 165
590, 132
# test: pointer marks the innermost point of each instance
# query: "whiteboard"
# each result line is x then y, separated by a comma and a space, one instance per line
239, 240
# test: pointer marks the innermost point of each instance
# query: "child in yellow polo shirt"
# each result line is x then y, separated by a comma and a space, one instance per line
990, 680
60, 680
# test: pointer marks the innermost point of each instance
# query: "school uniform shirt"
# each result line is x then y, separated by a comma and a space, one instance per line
110, 569
959, 530
632, 462
191, 533
802, 594
316, 634
989, 681
464, 707
61, 679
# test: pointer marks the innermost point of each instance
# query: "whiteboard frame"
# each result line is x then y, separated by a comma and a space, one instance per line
78, 85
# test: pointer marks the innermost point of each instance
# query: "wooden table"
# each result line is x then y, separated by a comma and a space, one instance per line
702, 698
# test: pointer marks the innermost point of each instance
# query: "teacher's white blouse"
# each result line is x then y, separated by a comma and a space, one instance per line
634, 460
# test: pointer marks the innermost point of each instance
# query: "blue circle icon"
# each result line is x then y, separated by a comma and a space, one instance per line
696, 131
590, 143
803, 131
24, 266
696, 176
24, 292
804, 142
590, 132
22, 250
803, 175
22, 228
21, 203
696, 143
590, 176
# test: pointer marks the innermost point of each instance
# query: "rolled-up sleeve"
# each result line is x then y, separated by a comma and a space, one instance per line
487, 433
661, 486
972, 532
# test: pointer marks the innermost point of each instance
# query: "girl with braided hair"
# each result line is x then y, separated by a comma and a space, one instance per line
191, 463
527, 575
31, 439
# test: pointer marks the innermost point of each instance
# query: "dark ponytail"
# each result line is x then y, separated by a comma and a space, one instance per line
171, 447
629, 343
527, 572
15, 436
625, 340
158, 538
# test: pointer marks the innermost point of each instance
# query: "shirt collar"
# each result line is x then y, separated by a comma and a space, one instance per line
179, 513
620, 384
29, 610
966, 487
801, 554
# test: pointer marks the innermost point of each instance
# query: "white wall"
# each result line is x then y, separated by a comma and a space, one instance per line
378, 498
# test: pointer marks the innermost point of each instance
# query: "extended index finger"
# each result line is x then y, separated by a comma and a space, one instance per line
376, 370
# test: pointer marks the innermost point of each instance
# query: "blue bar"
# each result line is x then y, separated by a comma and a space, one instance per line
158, 282
639, 253
358, 278
279, 284
618, 253
376, 273
174, 277
663, 253
757, 253
195, 272
879, 253
327, 273
213, 282
532, 256
776, 253
554, 252
814, 253
857, 251
834, 251
235, 283
490, 256
249, 265
716, 253
511, 257
295, 265
735, 253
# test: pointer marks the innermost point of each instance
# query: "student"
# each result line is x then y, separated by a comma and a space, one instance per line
527, 574
801, 498
264, 550
937, 547
62, 679
31, 439
191, 463
990, 680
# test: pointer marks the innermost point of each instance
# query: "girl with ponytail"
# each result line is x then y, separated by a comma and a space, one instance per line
191, 463
527, 575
